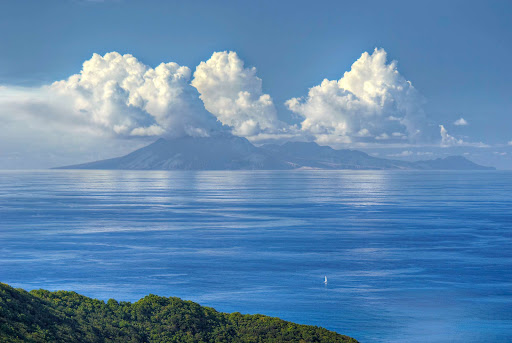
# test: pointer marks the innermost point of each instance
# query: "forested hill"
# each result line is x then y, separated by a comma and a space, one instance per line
43, 316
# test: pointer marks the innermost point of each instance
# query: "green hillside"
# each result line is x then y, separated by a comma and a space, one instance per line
43, 316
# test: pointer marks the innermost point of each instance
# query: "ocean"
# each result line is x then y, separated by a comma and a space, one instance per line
410, 256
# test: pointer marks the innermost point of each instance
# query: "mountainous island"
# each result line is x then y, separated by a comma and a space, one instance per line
43, 316
228, 152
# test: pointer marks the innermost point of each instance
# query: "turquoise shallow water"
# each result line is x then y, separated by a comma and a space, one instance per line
410, 256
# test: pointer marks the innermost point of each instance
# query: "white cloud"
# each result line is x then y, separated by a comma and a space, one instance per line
404, 153
448, 140
234, 95
113, 96
424, 153
123, 96
382, 136
153, 130
42, 135
460, 122
117, 96
363, 133
509, 143
372, 98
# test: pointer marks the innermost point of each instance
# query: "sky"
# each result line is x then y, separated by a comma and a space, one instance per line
83, 80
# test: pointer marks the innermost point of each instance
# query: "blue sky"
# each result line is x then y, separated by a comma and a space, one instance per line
455, 53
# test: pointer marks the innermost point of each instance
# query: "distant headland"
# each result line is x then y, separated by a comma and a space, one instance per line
43, 316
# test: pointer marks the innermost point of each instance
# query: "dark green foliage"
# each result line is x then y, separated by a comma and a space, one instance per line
43, 316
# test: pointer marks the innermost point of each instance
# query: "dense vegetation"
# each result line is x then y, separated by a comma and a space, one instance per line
43, 316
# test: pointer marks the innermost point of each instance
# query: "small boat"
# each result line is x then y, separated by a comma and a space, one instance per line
325, 280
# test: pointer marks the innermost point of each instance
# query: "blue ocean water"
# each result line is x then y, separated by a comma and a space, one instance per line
409, 256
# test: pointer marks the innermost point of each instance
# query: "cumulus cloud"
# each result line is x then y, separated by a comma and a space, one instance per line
448, 140
233, 93
460, 122
121, 95
117, 96
113, 96
372, 98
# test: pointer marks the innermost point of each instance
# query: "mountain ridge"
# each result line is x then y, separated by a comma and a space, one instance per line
229, 152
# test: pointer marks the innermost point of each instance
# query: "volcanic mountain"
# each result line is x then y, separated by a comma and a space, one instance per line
228, 152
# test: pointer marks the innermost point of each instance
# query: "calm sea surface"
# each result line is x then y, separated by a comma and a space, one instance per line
409, 256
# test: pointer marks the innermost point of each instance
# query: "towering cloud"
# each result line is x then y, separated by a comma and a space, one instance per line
120, 94
234, 95
81, 118
371, 102
447, 139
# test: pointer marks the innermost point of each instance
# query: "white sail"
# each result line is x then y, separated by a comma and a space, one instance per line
325, 279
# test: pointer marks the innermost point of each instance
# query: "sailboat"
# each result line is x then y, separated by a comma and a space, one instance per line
325, 280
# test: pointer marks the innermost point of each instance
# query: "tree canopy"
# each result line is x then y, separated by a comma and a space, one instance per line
44, 316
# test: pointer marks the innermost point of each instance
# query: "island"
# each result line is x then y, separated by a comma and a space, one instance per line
222, 151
